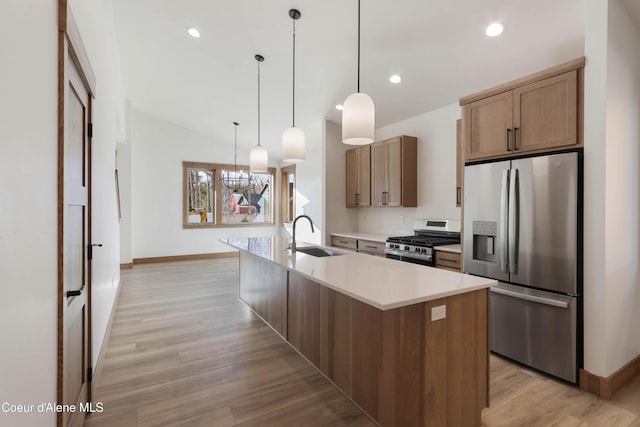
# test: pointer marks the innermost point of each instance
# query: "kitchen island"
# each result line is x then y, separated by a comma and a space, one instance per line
406, 343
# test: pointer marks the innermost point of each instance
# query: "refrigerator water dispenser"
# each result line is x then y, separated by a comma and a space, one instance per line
484, 240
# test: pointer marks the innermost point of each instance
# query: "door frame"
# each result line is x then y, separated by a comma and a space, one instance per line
70, 43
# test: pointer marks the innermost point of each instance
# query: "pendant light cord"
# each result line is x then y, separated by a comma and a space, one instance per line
294, 74
358, 45
235, 148
258, 103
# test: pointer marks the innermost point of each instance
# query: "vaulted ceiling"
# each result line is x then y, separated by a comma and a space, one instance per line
438, 47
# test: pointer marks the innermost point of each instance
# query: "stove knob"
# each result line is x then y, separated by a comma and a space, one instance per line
407, 248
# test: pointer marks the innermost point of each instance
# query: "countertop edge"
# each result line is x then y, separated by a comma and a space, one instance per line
456, 249
380, 238
484, 284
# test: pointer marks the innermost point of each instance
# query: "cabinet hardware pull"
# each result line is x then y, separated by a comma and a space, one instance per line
357, 197
458, 195
370, 247
449, 260
508, 137
515, 139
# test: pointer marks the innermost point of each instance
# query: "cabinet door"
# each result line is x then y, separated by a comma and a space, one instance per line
359, 177
352, 177
378, 173
486, 126
304, 317
394, 172
364, 176
546, 113
371, 247
448, 260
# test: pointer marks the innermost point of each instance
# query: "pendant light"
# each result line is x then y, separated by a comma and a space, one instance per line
358, 114
258, 156
293, 144
238, 182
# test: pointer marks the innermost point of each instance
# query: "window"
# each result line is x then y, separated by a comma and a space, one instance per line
200, 194
288, 183
207, 202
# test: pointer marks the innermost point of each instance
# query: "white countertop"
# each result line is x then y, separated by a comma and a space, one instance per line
380, 282
364, 236
449, 248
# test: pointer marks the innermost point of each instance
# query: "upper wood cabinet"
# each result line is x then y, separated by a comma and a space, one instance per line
545, 113
535, 114
359, 176
394, 167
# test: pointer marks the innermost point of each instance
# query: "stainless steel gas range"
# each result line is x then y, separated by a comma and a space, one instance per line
418, 248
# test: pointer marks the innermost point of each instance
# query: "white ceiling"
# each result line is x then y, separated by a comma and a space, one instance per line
437, 46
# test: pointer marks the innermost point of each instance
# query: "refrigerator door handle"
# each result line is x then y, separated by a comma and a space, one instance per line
514, 205
532, 298
504, 213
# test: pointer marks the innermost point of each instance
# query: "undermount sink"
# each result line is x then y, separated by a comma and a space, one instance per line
319, 252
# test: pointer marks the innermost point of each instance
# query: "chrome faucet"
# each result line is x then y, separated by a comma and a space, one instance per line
293, 241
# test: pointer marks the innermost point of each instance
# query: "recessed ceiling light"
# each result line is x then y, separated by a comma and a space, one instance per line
494, 29
339, 107
193, 32
395, 79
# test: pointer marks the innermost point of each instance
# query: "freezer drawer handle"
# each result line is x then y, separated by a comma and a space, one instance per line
532, 298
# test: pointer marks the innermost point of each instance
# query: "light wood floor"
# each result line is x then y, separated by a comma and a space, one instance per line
185, 351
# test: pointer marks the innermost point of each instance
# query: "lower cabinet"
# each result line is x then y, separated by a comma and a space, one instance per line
397, 364
263, 286
370, 247
304, 317
449, 260
344, 242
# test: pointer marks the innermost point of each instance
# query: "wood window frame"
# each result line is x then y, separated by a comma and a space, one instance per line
284, 194
217, 168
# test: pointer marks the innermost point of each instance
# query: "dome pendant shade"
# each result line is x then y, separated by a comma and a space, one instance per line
258, 159
358, 119
293, 145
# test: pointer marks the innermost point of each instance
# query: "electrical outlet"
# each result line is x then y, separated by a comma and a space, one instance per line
439, 312
401, 219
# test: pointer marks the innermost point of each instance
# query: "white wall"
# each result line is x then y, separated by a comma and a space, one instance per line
338, 217
310, 187
623, 187
28, 173
95, 22
612, 188
436, 133
124, 177
28, 209
158, 149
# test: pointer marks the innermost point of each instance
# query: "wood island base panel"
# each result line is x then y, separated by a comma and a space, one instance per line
424, 364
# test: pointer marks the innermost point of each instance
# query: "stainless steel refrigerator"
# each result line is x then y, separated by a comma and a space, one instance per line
523, 227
